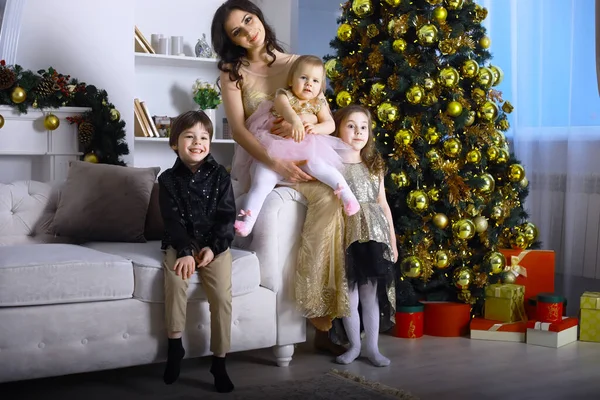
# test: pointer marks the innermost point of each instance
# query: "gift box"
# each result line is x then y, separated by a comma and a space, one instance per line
446, 319
589, 304
504, 302
549, 307
531, 308
409, 322
485, 329
552, 334
533, 269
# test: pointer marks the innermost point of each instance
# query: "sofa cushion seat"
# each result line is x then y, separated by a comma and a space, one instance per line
39, 274
148, 272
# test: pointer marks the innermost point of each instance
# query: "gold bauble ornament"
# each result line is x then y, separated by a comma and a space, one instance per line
479, 95
485, 42
387, 112
519, 242
495, 261
488, 111
488, 183
470, 118
411, 267
51, 122
343, 98
393, 3
481, 224
397, 27
1, 121
399, 45
417, 201
377, 90
516, 172
18, 95
452, 147
470, 69
454, 109
344, 32
498, 138
473, 156
362, 8
448, 77
432, 135
485, 77
497, 212
502, 156
91, 158
524, 182
507, 107
530, 231
435, 2
115, 115
440, 220
463, 229
492, 153
427, 34
441, 259
331, 68
434, 194
433, 155
404, 137
372, 31
498, 75
454, 4
400, 179
429, 84
440, 14
463, 277
414, 94
466, 297
508, 277
429, 99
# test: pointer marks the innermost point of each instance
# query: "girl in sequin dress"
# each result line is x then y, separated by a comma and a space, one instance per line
370, 240
311, 142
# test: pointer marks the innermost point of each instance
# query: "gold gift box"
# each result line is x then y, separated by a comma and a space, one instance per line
589, 305
505, 302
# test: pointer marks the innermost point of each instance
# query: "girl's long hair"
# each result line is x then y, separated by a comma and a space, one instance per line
230, 54
369, 154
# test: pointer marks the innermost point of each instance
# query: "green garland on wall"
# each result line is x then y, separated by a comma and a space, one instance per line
101, 130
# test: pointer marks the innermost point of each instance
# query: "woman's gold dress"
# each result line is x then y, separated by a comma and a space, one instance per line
321, 289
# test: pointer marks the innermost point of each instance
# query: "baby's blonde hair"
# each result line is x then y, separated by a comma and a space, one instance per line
313, 61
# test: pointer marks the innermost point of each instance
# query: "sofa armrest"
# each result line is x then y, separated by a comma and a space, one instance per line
276, 239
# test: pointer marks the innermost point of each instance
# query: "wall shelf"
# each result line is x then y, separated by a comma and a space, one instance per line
174, 61
166, 140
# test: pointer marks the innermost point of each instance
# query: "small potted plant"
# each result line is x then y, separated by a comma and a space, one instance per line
208, 97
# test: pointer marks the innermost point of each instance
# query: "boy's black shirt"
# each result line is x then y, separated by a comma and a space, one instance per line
198, 209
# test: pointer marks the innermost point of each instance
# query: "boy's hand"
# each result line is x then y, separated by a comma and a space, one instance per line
298, 130
205, 257
185, 266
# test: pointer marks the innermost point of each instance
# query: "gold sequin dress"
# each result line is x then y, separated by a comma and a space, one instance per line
321, 291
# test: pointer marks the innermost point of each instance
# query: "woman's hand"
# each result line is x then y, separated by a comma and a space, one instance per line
281, 128
298, 130
290, 170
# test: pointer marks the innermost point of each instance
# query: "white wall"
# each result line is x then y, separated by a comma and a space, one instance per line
317, 26
282, 16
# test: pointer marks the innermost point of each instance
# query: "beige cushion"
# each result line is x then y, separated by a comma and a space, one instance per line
104, 202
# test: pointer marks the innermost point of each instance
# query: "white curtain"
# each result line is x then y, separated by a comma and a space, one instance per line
547, 50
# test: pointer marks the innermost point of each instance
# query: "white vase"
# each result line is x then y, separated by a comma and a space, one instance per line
211, 113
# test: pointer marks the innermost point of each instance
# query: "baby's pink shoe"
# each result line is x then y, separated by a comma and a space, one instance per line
243, 228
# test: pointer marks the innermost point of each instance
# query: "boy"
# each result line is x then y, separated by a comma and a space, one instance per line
198, 209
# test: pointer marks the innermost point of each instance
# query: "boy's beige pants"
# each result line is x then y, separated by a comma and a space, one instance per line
216, 281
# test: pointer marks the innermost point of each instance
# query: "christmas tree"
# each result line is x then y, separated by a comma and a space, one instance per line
422, 67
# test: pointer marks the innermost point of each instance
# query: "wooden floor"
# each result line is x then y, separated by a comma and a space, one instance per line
430, 368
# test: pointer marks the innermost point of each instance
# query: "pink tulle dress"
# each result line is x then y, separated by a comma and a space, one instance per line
324, 148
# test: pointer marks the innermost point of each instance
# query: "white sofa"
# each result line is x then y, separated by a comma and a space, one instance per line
67, 308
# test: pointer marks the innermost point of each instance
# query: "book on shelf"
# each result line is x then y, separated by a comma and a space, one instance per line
141, 43
142, 115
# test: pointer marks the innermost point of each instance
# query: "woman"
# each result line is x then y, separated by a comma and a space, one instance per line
253, 66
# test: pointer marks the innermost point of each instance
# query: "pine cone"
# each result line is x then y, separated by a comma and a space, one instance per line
45, 88
7, 78
85, 133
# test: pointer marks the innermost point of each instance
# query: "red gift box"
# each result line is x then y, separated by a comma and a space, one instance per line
534, 269
552, 334
446, 319
409, 322
487, 329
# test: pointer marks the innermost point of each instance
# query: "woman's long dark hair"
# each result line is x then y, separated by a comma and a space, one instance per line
369, 154
230, 54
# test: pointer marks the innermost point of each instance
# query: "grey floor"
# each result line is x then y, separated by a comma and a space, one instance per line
430, 368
